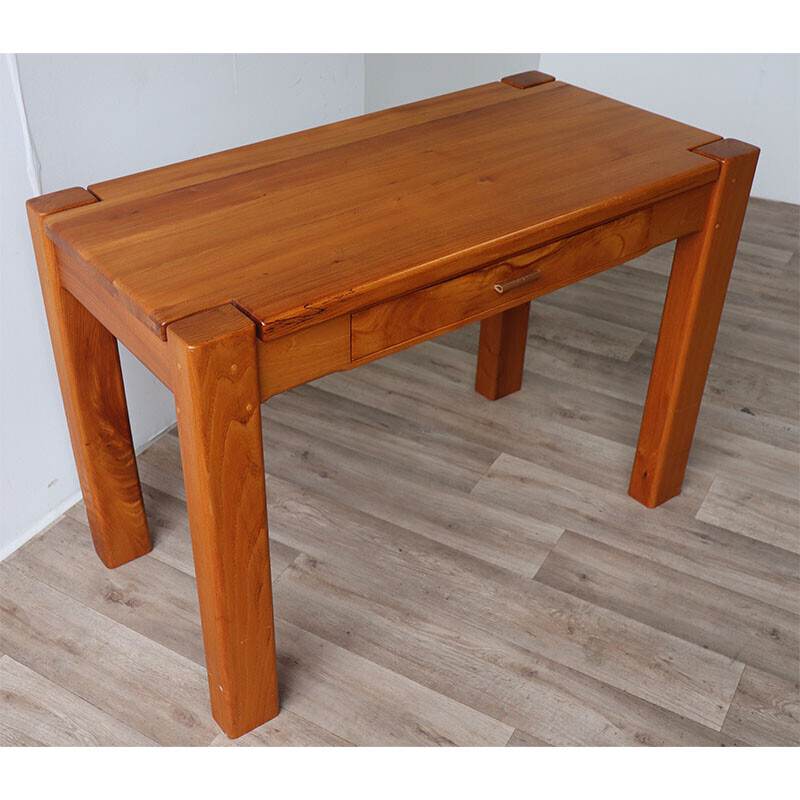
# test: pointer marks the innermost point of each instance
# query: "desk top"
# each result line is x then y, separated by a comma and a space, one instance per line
308, 226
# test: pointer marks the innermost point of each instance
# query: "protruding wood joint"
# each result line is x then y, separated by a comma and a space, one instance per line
727, 150
63, 200
526, 80
204, 327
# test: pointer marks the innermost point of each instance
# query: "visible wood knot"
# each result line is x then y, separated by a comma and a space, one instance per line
234, 367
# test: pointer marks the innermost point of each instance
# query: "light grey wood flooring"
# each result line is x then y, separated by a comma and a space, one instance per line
449, 570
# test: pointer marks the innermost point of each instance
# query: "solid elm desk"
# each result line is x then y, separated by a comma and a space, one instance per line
242, 274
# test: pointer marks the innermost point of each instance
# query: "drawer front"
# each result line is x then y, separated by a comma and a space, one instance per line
428, 312
436, 309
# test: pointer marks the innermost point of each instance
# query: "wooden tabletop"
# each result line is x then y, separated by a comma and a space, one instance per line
311, 225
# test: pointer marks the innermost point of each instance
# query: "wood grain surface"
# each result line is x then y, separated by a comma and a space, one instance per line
291, 240
501, 352
698, 283
284, 148
90, 378
434, 310
452, 570
217, 403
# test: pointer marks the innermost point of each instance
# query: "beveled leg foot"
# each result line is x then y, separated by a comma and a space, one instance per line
219, 424
700, 272
89, 373
501, 352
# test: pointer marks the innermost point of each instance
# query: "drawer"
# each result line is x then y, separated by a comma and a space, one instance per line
501, 285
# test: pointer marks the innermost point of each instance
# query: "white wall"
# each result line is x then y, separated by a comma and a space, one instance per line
392, 79
37, 476
755, 98
97, 117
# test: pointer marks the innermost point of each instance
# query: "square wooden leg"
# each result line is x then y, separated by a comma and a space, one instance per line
89, 373
501, 352
215, 378
700, 272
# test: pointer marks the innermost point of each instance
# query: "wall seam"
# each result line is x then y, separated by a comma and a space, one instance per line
32, 165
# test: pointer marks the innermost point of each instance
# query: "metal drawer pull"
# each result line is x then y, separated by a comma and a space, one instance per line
507, 286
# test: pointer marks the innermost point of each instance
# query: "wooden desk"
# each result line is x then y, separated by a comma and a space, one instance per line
242, 274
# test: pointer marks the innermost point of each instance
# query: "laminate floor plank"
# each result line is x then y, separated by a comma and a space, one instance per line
565, 392
744, 328
366, 704
36, 712
160, 466
555, 369
440, 456
154, 690
551, 323
146, 595
732, 381
741, 335
480, 529
523, 739
640, 660
772, 223
765, 711
533, 423
738, 626
722, 557
759, 273
286, 730
605, 338
746, 426
767, 516
513, 540
559, 705
169, 524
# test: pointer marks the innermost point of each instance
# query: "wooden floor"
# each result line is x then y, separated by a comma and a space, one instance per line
449, 570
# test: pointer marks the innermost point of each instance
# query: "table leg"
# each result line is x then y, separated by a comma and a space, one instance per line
215, 379
87, 361
501, 352
701, 269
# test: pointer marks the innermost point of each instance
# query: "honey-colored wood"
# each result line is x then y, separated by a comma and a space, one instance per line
420, 315
237, 276
89, 373
526, 80
699, 280
295, 145
113, 315
294, 242
360, 443
217, 399
300, 357
308, 354
312, 352
501, 352
362, 560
